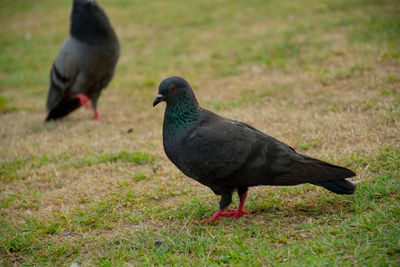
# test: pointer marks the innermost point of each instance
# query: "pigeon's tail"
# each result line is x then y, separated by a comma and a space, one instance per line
317, 172
342, 187
63, 108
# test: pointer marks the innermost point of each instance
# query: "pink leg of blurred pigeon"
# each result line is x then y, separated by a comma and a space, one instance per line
84, 100
97, 116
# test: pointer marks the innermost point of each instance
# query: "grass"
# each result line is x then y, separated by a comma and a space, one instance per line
11, 169
322, 76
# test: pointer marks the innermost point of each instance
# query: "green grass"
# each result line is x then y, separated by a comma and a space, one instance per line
5, 106
280, 45
321, 75
330, 76
124, 156
363, 228
251, 96
11, 169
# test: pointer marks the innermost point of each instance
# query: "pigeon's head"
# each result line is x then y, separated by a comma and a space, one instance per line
85, 2
174, 90
89, 22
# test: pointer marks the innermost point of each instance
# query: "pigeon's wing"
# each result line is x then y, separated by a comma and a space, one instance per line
229, 153
283, 166
64, 73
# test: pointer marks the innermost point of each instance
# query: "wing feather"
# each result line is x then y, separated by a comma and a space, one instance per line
223, 152
64, 72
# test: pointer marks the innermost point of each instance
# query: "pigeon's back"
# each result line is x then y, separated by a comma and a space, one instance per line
217, 149
222, 153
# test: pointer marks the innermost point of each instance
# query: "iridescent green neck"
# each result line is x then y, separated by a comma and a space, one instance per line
180, 115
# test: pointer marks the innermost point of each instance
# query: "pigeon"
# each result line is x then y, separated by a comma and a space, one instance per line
228, 155
86, 62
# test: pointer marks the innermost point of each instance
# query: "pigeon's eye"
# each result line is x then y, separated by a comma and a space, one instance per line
172, 89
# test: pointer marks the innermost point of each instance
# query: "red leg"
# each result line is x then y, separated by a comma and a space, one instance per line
216, 216
226, 199
240, 211
96, 115
84, 100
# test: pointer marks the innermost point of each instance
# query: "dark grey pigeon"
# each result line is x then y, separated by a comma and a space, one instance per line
85, 63
228, 155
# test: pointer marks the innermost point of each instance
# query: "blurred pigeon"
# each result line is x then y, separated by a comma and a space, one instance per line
225, 154
86, 62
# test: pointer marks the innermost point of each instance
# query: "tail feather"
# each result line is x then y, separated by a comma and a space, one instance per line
317, 172
338, 186
63, 108
312, 172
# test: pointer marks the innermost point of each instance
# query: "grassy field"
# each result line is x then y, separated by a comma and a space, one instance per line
322, 76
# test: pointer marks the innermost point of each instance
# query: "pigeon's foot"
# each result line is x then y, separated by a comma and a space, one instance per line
97, 116
84, 100
216, 216
236, 213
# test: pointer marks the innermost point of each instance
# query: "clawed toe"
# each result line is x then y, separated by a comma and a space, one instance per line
238, 213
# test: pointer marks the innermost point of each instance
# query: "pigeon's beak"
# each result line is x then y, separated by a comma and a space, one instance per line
159, 98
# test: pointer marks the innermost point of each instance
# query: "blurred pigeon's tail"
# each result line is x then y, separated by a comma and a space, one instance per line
63, 108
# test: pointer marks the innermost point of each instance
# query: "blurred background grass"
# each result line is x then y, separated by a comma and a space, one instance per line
202, 39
